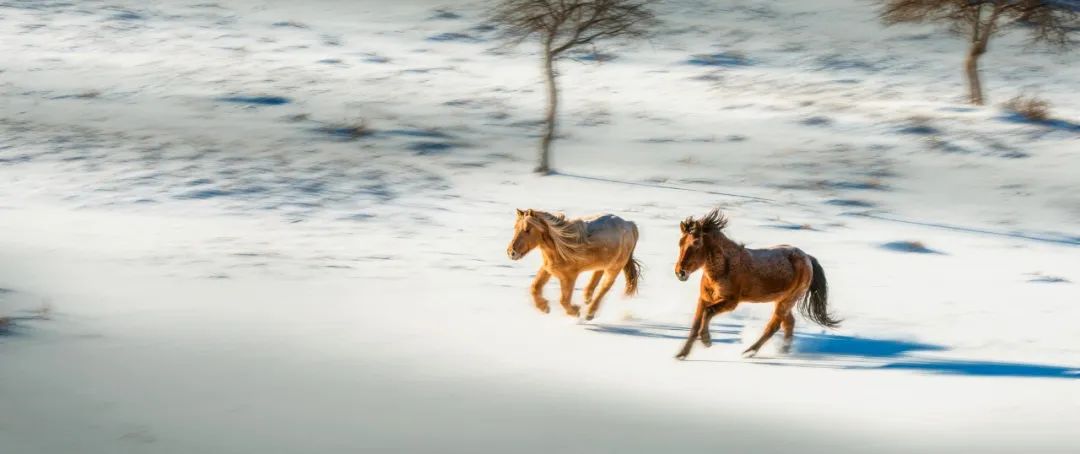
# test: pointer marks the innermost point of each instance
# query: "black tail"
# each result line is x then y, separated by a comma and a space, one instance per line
632, 271
814, 305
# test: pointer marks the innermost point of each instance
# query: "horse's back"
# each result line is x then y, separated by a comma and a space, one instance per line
780, 259
781, 248
606, 222
771, 272
609, 227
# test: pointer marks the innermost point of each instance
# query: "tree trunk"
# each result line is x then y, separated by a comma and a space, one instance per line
971, 64
552, 108
980, 38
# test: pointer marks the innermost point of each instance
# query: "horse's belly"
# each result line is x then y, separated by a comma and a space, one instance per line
600, 262
769, 290
606, 251
766, 298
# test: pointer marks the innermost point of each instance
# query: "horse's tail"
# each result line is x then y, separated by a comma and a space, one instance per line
632, 268
813, 306
632, 271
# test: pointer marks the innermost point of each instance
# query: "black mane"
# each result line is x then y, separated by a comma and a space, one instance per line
715, 220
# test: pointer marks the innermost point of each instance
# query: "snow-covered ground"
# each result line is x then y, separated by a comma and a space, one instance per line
195, 256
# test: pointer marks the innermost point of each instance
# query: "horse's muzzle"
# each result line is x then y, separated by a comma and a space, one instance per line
513, 254
682, 275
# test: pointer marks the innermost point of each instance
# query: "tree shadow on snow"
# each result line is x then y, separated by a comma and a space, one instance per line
10, 325
837, 351
1051, 123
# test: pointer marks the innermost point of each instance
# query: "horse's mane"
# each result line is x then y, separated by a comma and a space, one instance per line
715, 221
568, 236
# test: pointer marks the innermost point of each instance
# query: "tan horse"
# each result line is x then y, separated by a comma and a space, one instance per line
603, 244
735, 274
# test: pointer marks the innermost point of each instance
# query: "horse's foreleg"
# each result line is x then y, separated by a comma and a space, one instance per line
711, 312
567, 283
594, 303
542, 277
593, 282
695, 328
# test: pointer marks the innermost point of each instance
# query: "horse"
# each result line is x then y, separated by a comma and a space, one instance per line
602, 244
734, 273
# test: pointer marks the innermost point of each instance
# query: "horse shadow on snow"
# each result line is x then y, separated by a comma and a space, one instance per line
851, 352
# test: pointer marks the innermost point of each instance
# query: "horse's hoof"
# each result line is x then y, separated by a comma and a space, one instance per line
785, 349
589, 317
681, 356
573, 311
544, 309
706, 342
749, 353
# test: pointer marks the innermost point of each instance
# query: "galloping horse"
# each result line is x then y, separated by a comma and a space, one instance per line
602, 244
734, 274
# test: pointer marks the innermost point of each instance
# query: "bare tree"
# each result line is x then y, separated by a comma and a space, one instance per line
1047, 21
561, 26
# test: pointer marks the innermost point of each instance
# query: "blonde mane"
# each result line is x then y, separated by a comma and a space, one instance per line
568, 236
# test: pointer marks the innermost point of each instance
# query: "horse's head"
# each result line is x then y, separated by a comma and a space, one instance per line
693, 250
527, 232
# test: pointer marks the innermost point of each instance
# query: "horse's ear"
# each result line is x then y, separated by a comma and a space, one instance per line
520, 213
529, 212
685, 225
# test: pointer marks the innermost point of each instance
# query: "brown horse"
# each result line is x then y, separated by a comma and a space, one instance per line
734, 274
602, 244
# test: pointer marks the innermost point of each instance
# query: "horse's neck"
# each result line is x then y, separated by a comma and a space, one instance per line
558, 250
723, 253
548, 248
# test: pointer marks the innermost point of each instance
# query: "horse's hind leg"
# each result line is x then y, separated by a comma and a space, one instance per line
593, 282
785, 306
780, 316
770, 329
788, 323
594, 304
